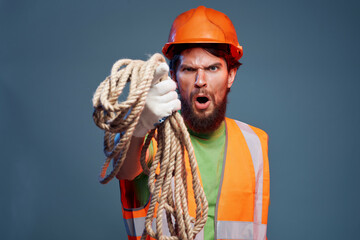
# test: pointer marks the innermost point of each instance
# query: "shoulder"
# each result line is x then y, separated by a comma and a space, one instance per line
244, 127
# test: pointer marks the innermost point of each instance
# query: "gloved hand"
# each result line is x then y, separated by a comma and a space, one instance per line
162, 100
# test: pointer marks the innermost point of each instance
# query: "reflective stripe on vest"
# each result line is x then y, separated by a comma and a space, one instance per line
243, 199
239, 230
135, 226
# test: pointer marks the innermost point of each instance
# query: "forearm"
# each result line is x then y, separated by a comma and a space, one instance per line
131, 166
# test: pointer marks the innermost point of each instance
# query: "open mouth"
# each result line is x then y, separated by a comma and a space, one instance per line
202, 102
202, 99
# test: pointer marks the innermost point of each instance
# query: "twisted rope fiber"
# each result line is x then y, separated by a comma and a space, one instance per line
172, 140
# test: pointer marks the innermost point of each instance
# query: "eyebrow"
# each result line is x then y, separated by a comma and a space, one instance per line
216, 64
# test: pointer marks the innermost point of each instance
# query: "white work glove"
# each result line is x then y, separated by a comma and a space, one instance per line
161, 101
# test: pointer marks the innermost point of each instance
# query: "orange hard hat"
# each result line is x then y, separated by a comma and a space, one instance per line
203, 25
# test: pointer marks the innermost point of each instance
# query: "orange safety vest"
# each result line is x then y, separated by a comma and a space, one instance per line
244, 190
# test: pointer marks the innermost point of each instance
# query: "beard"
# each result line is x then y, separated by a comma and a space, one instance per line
201, 122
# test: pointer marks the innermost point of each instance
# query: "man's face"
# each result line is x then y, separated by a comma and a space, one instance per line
203, 81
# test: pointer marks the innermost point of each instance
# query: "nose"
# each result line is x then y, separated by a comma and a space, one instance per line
200, 80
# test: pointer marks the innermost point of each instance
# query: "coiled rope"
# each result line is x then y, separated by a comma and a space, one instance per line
172, 139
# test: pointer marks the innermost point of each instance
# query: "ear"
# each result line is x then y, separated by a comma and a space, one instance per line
173, 77
231, 77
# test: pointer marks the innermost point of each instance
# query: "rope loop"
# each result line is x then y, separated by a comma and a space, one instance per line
172, 139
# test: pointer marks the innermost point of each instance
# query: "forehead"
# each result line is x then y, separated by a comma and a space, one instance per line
199, 57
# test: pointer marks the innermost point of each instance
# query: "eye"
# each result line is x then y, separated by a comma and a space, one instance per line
188, 69
213, 68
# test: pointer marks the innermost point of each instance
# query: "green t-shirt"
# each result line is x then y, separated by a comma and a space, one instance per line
209, 153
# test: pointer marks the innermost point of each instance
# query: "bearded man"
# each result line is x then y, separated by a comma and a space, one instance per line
232, 156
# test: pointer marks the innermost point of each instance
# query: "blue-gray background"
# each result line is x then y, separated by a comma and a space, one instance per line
299, 82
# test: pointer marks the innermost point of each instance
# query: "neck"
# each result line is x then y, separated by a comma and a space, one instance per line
208, 135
